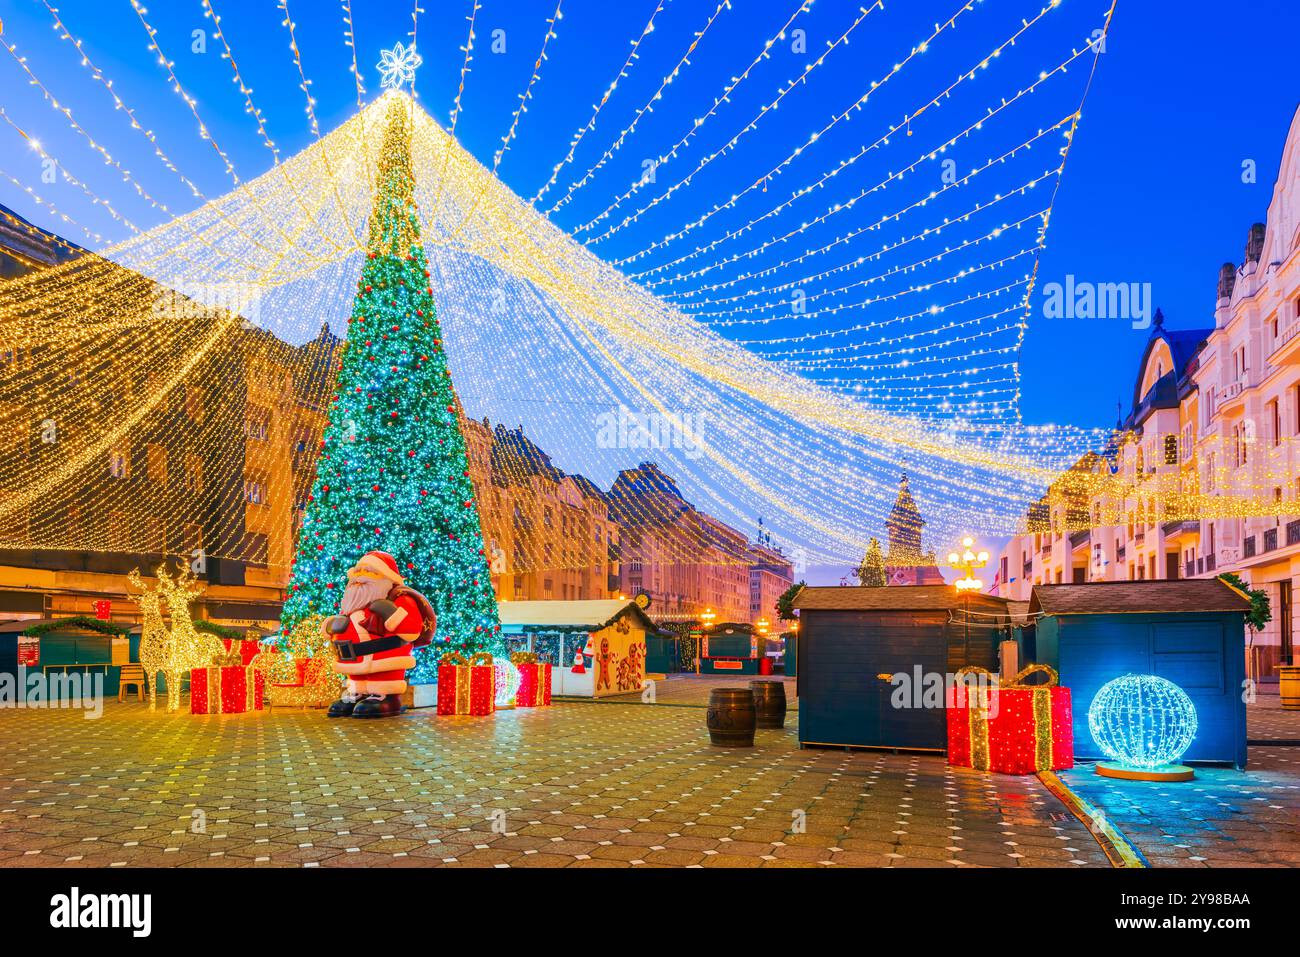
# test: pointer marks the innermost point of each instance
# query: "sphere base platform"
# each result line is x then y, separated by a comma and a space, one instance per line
1169, 772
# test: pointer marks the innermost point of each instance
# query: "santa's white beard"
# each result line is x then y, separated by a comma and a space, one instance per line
361, 592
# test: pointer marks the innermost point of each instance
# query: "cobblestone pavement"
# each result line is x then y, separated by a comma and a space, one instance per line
576, 785
693, 690
1266, 721
1224, 818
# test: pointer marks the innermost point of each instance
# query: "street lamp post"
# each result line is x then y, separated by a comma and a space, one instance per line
706, 619
968, 561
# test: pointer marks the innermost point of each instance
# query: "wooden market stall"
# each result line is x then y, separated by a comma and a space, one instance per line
78, 644
732, 648
1191, 632
596, 647
853, 641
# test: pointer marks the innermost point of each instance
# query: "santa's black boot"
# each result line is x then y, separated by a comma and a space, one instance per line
377, 706
342, 708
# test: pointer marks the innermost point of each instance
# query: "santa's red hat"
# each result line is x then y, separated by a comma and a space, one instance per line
379, 564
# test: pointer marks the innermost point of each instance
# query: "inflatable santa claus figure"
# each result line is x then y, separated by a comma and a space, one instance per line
380, 624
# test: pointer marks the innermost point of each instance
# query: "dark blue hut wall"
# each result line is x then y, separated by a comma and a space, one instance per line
1201, 652
841, 654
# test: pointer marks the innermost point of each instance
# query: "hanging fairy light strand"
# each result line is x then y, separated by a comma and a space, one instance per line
179, 90
727, 147
632, 58
631, 127
725, 97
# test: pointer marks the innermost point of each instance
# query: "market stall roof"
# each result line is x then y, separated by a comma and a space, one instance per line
1099, 598
1019, 611
889, 598
591, 614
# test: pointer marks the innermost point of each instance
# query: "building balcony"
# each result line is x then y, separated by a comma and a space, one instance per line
1232, 400
1287, 350
1181, 530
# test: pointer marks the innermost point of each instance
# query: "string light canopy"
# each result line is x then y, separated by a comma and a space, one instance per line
869, 358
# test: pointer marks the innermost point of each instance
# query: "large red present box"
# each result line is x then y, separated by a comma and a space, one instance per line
534, 680
248, 648
1016, 728
226, 690
466, 686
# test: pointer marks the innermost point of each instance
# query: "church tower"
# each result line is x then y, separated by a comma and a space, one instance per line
905, 562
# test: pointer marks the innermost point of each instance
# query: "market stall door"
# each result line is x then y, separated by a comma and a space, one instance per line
848, 693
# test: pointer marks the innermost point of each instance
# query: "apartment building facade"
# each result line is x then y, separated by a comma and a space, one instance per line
1205, 469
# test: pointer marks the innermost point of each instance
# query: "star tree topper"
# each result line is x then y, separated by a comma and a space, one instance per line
397, 66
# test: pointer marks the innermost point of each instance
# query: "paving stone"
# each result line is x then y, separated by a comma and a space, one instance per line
618, 783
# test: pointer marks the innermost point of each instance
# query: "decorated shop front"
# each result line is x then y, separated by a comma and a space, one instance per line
732, 648
596, 648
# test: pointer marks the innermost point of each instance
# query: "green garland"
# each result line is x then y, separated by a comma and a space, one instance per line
109, 628
221, 631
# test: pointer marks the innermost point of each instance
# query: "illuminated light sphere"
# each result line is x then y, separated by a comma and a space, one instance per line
1142, 721
507, 682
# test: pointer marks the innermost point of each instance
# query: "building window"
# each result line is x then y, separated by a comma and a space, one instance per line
258, 425
194, 402
255, 492
1275, 421
193, 473
1171, 450
156, 464
119, 464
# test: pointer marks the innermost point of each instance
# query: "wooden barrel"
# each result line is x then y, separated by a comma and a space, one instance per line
1288, 686
769, 703
731, 717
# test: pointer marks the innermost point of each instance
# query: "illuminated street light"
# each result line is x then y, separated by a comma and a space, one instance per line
967, 562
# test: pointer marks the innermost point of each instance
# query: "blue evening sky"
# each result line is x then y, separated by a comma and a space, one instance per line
1153, 191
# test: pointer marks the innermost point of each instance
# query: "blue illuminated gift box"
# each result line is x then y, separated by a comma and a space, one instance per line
1191, 632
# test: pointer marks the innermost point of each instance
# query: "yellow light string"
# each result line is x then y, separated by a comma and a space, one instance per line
838, 208
350, 41
40, 201
54, 103
628, 130
66, 34
965, 273
632, 57
996, 233
244, 89
929, 311
1097, 47
731, 144
121, 105
527, 95
883, 140
522, 108
288, 23
189, 101
468, 49
96, 200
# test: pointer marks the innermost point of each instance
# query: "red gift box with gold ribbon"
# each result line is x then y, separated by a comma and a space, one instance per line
534, 680
466, 686
247, 648
1015, 728
230, 689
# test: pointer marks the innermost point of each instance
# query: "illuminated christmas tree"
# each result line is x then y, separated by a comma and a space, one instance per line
393, 474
